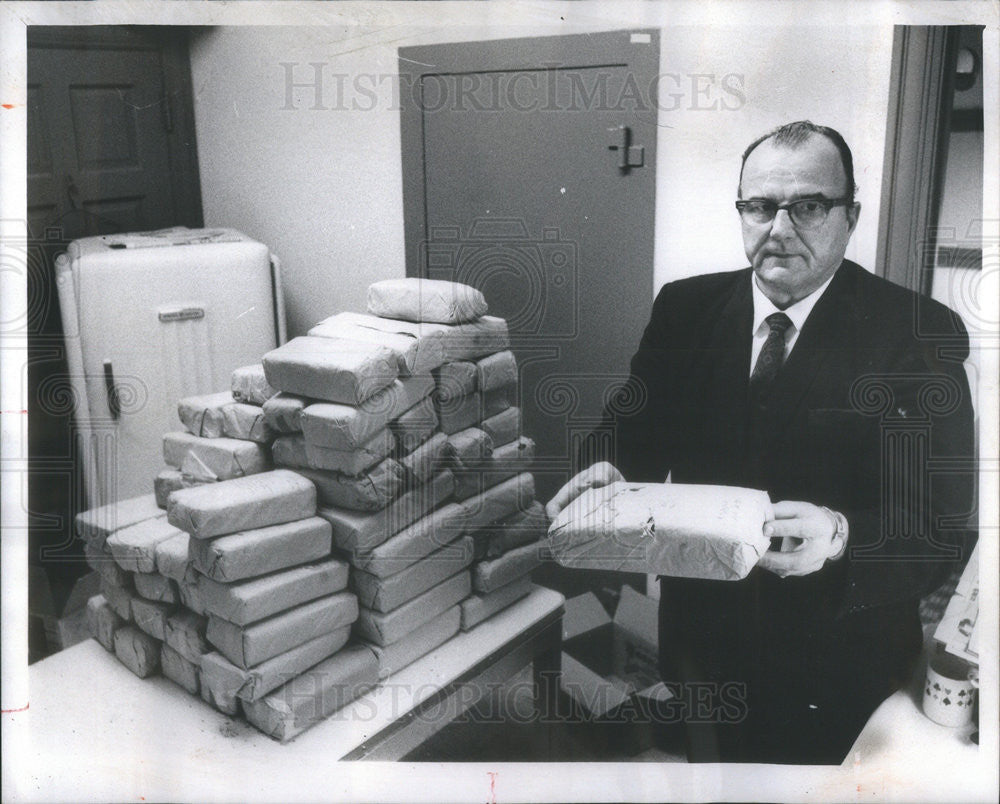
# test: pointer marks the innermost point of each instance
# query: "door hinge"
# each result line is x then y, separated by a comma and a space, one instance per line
629, 156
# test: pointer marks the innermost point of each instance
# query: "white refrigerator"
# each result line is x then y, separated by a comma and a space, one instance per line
149, 318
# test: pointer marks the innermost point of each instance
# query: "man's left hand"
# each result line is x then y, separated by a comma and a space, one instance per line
811, 529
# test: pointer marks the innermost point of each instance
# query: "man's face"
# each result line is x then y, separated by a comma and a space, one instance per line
791, 263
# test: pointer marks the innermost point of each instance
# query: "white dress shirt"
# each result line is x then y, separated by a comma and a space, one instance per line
797, 314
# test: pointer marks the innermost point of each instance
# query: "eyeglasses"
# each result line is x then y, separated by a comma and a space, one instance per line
805, 214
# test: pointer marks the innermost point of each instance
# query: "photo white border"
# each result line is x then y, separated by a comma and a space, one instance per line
434, 782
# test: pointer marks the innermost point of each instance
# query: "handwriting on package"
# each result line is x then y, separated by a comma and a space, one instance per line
688, 531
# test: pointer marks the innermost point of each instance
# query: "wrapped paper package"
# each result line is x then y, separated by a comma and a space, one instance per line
347, 427
503, 427
435, 334
421, 641
513, 531
457, 414
119, 598
498, 400
460, 341
101, 560
175, 667
416, 355
386, 594
454, 380
134, 547
315, 694
202, 415
190, 591
386, 628
478, 338
250, 553
284, 412
246, 422
503, 500
256, 501
97, 524
505, 462
245, 602
371, 491
246, 646
214, 689
185, 633
480, 607
426, 300
508, 459
229, 681
331, 369
468, 446
248, 384
214, 458
168, 481
426, 460
439, 528
689, 531
351, 462
496, 371
172, 557
151, 617
103, 621
354, 531
153, 586
415, 426
290, 450
488, 576
139, 652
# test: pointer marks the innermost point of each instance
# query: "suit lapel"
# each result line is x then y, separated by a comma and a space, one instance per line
821, 336
726, 362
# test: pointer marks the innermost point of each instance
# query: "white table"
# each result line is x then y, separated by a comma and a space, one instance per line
924, 760
95, 731
93, 726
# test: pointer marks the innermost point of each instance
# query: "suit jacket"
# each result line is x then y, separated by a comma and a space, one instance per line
870, 416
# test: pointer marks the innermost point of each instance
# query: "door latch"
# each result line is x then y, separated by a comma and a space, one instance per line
629, 156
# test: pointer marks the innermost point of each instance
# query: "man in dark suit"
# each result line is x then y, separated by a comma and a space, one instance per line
844, 397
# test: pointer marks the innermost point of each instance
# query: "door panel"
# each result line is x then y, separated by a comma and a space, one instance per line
105, 109
513, 184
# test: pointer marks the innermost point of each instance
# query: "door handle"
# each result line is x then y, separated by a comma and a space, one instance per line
629, 156
114, 403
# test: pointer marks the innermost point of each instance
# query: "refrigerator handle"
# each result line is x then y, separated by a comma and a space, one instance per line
114, 404
278, 292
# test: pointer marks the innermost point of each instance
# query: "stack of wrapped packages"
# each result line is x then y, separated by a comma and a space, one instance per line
408, 473
225, 436
369, 478
232, 591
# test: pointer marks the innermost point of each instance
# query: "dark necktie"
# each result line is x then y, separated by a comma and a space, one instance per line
771, 356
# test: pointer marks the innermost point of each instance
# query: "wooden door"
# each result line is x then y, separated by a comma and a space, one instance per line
529, 172
110, 148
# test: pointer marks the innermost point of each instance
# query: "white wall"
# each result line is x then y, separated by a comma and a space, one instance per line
835, 77
323, 187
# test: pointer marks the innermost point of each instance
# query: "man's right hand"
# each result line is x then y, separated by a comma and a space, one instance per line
600, 474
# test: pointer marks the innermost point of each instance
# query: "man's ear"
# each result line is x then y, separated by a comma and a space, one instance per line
853, 212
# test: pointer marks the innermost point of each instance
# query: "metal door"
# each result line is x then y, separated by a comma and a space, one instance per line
528, 172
